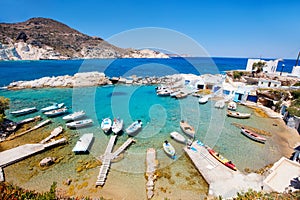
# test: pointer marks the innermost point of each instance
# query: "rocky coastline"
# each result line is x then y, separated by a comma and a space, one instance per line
87, 79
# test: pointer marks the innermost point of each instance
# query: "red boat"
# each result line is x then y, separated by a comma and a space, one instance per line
223, 160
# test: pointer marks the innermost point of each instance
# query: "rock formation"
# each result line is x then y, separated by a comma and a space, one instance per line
42, 38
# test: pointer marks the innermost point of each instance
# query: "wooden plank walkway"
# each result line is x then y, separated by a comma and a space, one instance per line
106, 162
48, 121
122, 148
13, 155
222, 180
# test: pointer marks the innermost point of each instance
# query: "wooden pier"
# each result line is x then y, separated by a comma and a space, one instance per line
222, 180
122, 148
16, 154
48, 121
109, 156
106, 160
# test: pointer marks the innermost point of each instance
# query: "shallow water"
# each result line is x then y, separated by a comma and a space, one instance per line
160, 116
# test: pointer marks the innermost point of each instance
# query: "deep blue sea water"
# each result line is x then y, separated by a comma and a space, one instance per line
28, 70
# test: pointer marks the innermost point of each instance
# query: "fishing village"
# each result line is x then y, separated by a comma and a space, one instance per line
260, 87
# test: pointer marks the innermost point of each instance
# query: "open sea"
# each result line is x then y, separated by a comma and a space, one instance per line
160, 116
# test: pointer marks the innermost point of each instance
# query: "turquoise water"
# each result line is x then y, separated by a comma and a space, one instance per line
160, 116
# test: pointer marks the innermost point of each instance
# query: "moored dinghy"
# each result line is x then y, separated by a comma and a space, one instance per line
53, 107
220, 104
57, 112
169, 149
80, 123
134, 128
231, 106
187, 129
117, 125
74, 116
23, 111
252, 135
203, 100
178, 137
238, 115
106, 124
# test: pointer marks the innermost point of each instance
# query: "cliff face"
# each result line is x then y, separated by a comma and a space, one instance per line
42, 38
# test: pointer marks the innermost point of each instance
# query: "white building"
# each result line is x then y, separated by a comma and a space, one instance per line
296, 71
264, 83
269, 67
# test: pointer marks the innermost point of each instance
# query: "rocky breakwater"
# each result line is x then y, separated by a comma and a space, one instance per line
78, 80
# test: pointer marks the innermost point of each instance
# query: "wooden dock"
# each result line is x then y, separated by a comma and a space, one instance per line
106, 160
48, 121
122, 148
109, 156
222, 180
16, 154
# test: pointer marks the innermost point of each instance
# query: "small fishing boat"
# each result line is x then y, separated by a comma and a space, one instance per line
187, 129
23, 111
80, 123
203, 100
169, 149
174, 93
54, 113
238, 115
106, 124
53, 107
178, 137
134, 128
181, 95
231, 106
221, 159
220, 104
83, 144
117, 125
163, 93
74, 116
252, 135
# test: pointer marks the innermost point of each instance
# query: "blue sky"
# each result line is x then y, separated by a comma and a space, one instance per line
229, 28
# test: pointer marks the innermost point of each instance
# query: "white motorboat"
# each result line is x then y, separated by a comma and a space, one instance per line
74, 116
23, 111
84, 143
187, 129
106, 124
53, 107
165, 92
54, 113
134, 128
169, 149
117, 125
178, 137
231, 106
203, 100
220, 104
80, 123
238, 115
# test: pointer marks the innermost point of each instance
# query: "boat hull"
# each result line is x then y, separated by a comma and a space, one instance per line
134, 128
253, 136
177, 137
24, 111
80, 124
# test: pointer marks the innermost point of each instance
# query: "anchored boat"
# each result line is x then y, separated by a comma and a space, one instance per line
252, 135
74, 116
178, 137
57, 112
80, 123
134, 128
169, 149
23, 111
117, 125
53, 107
238, 115
106, 125
221, 159
187, 129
